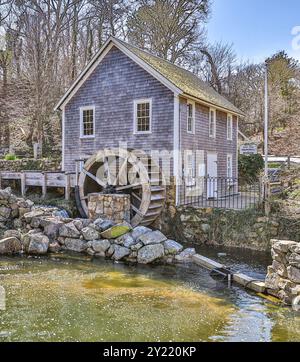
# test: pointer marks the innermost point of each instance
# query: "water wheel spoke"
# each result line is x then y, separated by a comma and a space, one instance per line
122, 174
121, 188
93, 177
135, 209
136, 196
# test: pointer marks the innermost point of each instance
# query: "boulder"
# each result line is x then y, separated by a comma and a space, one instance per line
38, 244
120, 252
10, 245
34, 213
280, 269
125, 240
152, 237
54, 247
116, 231
102, 225
172, 247
100, 245
25, 238
110, 251
185, 255
294, 260
69, 230
51, 227
278, 256
293, 274
5, 212
150, 253
12, 233
295, 248
272, 281
136, 247
90, 251
5, 194
138, 231
282, 245
81, 223
77, 245
90, 233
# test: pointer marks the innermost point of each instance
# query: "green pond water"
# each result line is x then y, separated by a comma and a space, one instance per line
68, 298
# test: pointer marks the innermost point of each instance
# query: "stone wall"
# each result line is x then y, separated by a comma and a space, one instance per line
283, 278
34, 230
29, 164
233, 228
115, 207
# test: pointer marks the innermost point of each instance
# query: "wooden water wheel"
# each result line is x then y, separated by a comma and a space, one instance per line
121, 171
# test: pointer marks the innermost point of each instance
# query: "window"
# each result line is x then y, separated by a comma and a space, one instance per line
190, 169
229, 166
229, 127
87, 122
212, 123
190, 117
142, 116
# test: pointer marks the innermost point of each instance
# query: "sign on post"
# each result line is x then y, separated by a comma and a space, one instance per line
248, 149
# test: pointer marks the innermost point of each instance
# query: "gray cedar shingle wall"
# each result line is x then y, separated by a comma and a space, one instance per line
112, 88
201, 139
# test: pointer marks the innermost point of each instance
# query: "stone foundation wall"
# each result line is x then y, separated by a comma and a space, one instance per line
44, 164
115, 207
34, 230
283, 278
243, 229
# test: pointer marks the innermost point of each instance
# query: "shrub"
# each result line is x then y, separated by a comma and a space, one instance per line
250, 167
10, 157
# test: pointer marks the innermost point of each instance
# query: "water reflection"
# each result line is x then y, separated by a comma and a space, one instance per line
74, 299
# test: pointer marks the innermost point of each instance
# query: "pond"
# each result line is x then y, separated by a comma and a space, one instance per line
73, 298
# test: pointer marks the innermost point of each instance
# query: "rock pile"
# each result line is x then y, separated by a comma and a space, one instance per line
39, 230
283, 278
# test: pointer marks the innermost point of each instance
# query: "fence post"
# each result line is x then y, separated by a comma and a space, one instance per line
23, 183
266, 196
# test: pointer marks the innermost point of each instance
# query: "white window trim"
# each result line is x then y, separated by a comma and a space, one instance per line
229, 121
187, 117
87, 108
135, 103
229, 155
215, 122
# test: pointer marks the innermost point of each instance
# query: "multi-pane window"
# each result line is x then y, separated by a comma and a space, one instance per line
190, 118
143, 116
229, 127
87, 115
212, 123
229, 166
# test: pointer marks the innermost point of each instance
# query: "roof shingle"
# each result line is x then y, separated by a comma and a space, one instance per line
183, 79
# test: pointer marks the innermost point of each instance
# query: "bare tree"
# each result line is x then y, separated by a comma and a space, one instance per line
170, 29
215, 64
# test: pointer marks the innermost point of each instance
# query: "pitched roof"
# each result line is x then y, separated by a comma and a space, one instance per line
188, 83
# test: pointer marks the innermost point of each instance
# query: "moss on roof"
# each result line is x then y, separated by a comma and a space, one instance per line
188, 82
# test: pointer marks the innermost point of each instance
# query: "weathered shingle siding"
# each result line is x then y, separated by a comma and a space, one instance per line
112, 89
201, 140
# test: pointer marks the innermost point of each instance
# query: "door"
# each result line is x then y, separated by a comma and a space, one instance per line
212, 174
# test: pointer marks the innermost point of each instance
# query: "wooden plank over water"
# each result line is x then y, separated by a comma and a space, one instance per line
242, 279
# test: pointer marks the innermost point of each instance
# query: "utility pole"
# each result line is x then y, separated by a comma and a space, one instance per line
266, 148
266, 124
